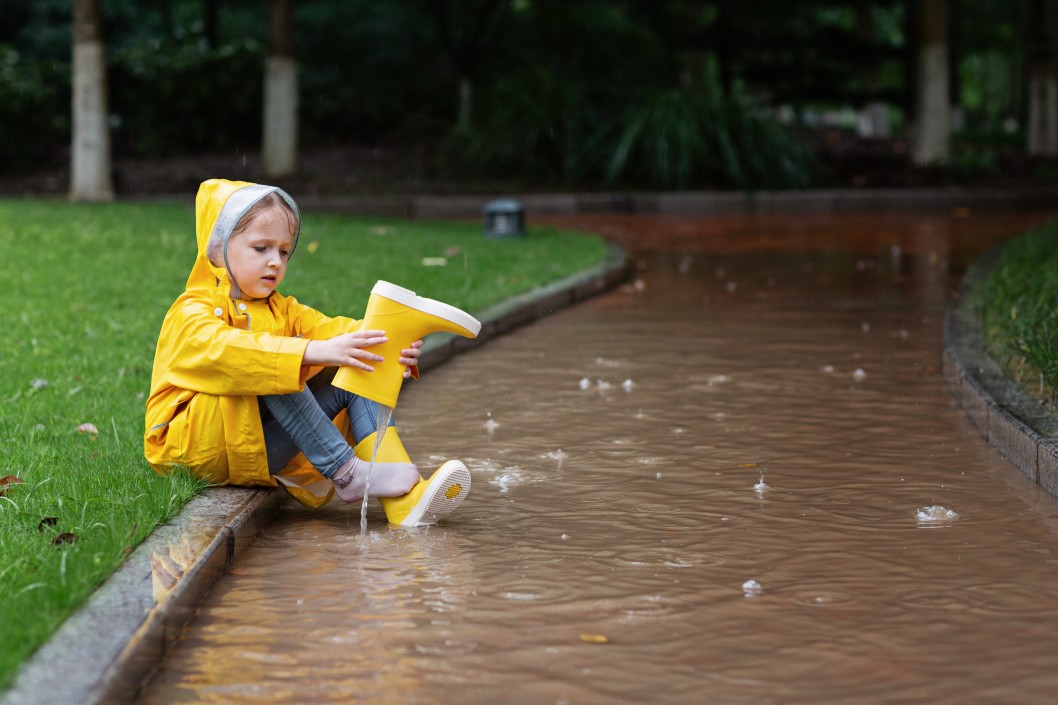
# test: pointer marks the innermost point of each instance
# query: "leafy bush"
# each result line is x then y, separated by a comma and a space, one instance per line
34, 109
541, 126
680, 138
169, 96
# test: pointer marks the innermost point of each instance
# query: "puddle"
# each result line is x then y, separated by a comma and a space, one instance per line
648, 567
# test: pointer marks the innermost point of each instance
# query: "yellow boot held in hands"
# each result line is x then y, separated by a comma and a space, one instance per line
429, 500
406, 317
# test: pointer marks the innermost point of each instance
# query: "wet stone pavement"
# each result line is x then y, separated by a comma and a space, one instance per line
740, 478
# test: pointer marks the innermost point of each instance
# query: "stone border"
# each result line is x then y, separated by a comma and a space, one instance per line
688, 202
108, 650
1005, 414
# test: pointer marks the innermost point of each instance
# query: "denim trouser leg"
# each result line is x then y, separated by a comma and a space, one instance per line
302, 421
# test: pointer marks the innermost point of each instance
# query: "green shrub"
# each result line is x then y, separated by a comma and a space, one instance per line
172, 97
540, 126
34, 110
682, 138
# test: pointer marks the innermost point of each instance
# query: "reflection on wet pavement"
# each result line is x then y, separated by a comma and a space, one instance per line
728, 481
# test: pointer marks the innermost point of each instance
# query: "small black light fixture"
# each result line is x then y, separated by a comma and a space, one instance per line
504, 218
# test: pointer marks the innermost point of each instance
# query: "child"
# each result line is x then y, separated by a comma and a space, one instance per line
240, 391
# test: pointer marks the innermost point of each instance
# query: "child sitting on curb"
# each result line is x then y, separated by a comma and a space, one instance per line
240, 390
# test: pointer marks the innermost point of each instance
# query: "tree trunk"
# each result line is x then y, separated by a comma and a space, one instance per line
933, 120
873, 119
1043, 93
466, 102
90, 178
210, 21
279, 151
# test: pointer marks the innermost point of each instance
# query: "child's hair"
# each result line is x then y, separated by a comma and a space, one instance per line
214, 248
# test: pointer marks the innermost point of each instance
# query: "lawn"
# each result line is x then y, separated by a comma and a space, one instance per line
1018, 308
85, 288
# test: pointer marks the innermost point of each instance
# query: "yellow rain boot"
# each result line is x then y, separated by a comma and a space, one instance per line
406, 317
429, 500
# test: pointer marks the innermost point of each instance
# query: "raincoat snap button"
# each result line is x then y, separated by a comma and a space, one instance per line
242, 307
218, 312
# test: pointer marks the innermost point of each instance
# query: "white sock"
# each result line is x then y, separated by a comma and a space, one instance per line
387, 479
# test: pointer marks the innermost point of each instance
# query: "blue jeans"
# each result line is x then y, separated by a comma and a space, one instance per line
302, 421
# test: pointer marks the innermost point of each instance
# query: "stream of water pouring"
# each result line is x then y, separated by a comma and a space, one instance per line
382, 417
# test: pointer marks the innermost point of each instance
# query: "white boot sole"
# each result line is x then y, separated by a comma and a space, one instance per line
445, 491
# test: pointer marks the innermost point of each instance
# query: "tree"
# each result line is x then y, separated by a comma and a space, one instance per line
466, 37
279, 151
90, 178
1043, 93
933, 112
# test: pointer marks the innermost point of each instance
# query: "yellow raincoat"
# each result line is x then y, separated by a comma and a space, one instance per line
218, 352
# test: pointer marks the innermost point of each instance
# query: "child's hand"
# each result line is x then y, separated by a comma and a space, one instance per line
345, 349
410, 356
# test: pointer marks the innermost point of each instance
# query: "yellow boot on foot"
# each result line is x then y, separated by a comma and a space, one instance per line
430, 500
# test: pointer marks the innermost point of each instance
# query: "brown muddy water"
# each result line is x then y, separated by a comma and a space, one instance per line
762, 402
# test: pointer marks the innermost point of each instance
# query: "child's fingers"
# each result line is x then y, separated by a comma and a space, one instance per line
359, 353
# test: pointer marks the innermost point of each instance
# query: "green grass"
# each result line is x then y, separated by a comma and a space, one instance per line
1018, 308
84, 292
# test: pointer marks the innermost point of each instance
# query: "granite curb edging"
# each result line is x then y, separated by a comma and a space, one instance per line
676, 203
838, 200
1004, 413
107, 651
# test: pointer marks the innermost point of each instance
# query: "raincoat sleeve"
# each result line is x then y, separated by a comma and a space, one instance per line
309, 323
207, 355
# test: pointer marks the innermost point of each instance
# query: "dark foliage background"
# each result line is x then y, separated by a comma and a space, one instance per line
587, 93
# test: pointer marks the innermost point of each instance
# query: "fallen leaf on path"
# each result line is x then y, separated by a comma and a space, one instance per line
595, 638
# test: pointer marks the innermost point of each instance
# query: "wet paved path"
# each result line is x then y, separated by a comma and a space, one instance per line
763, 402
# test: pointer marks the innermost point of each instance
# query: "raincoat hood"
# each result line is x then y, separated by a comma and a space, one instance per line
218, 207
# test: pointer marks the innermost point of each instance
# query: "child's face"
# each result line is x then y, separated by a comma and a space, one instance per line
258, 255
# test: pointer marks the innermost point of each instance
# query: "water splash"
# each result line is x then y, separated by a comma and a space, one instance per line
751, 588
935, 514
382, 418
490, 424
760, 488
557, 455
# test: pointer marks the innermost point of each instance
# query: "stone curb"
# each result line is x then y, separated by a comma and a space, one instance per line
105, 652
840, 200
1005, 414
690, 202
